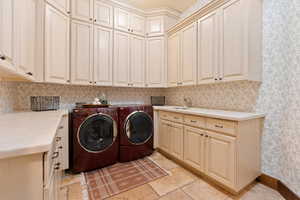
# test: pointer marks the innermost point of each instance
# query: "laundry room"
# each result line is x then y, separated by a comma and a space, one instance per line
149, 100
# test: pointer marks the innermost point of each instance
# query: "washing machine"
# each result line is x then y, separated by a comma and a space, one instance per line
94, 138
136, 132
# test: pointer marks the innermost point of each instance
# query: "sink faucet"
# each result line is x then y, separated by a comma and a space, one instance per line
187, 102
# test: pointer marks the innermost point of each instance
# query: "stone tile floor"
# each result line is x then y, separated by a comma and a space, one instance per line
179, 185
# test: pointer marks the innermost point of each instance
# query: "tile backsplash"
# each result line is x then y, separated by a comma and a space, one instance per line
16, 96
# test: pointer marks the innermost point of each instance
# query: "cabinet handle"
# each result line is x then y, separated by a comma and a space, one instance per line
61, 127
58, 139
206, 136
202, 134
176, 117
29, 73
60, 147
55, 155
132, 30
129, 30
218, 126
2, 57
193, 121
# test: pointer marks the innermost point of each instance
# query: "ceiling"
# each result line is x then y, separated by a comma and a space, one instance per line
179, 5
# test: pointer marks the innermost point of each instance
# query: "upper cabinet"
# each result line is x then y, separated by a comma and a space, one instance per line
155, 62
129, 22
27, 37
182, 57
129, 60
57, 46
155, 26
62, 5
83, 10
8, 37
81, 53
103, 14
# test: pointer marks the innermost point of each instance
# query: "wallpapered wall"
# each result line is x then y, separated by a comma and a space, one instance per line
16, 96
278, 95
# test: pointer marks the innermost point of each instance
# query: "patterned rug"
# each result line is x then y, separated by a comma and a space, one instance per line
112, 180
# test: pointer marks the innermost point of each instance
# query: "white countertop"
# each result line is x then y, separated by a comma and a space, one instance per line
24, 133
220, 114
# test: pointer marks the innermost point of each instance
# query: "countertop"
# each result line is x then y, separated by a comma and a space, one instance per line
220, 114
25, 133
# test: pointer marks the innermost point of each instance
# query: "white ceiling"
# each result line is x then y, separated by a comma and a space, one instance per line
179, 5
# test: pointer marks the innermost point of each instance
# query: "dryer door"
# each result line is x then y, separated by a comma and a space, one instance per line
97, 133
139, 127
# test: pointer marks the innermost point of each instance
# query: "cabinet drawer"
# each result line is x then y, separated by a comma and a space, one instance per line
194, 121
222, 126
174, 117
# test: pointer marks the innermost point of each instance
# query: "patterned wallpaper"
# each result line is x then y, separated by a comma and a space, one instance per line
278, 95
19, 94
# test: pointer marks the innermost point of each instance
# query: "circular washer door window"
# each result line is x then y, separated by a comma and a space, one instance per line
97, 133
139, 127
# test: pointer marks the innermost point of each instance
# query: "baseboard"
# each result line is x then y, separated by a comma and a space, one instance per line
279, 186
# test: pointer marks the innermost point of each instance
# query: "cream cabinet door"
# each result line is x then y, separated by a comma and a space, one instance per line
176, 133
83, 10
173, 59
122, 20
103, 14
208, 38
121, 58
8, 36
220, 158
194, 148
188, 66
62, 5
57, 46
81, 53
103, 55
155, 26
232, 41
137, 24
26, 37
155, 63
137, 61
164, 136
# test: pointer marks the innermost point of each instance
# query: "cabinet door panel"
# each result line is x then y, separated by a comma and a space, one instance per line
194, 147
82, 9
176, 133
173, 59
57, 47
137, 61
137, 24
122, 19
103, 14
164, 136
62, 5
103, 55
27, 36
7, 34
208, 48
188, 67
220, 158
82, 53
121, 58
155, 62
232, 41
155, 26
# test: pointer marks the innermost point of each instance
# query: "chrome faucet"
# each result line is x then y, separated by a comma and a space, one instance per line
187, 102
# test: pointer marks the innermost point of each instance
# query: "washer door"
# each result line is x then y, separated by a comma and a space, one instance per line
97, 133
139, 127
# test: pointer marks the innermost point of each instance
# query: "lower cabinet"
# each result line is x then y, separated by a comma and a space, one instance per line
226, 151
194, 141
171, 138
220, 158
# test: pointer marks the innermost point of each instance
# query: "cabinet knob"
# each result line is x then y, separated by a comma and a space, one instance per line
68, 12
30, 73
206, 136
55, 155
220, 79
95, 82
216, 79
132, 30
58, 139
95, 20
68, 81
91, 19
91, 82
129, 29
2, 57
